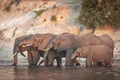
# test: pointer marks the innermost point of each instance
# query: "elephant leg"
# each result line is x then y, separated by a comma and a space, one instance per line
97, 63
59, 61
30, 59
69, 62
35, 56
88, 62
109, 62
46, 61
50, 59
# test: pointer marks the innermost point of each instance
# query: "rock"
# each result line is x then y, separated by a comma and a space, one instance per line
21, 20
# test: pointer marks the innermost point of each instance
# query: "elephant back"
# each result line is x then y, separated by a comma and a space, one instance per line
88, 39
107, 40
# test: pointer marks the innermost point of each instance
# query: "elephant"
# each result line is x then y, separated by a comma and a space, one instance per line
17, 48
69, 42
55, 55
94, 53
39, 42
107, 40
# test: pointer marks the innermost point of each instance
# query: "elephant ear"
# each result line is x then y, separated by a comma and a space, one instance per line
50, 45
64, 45
43, 43
85, 51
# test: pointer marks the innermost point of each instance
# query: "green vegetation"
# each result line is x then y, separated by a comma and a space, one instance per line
8, 8
38, 13
99, 13
53, 18
8, 5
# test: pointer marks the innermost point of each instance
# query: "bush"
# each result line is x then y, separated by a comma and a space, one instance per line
8, 8
53, 18
97, 13
38, 13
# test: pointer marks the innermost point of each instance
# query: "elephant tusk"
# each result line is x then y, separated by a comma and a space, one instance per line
40, 62
44, 57
46, 49
27, 45
15, 54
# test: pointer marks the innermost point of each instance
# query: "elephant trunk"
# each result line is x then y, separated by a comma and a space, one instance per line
73, 57
21, 51
15, 57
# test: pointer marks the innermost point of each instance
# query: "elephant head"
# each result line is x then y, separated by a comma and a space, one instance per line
29, 42
61, 44
80, 52
18, 48
39, 41
76, 54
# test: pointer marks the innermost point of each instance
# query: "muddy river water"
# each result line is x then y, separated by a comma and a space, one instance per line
23, 72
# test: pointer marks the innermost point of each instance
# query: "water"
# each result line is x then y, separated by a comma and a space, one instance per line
54, 73
23, 72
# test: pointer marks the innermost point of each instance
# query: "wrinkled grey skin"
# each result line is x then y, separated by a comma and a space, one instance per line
69, 43
20, 49
96, 53
39, 42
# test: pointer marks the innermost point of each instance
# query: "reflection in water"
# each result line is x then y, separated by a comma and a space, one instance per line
54, 73
23, 72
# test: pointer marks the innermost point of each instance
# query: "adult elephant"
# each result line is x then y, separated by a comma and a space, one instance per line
107, 40
69, 42
39, 42
17, 48
55, 55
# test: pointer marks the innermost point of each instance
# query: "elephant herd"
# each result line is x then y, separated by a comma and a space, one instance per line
98, 50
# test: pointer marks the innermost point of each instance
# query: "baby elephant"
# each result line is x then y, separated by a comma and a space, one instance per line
97, 53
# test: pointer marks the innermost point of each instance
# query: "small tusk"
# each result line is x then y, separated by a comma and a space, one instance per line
27, 45
40, 62
15, 54
46, 49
